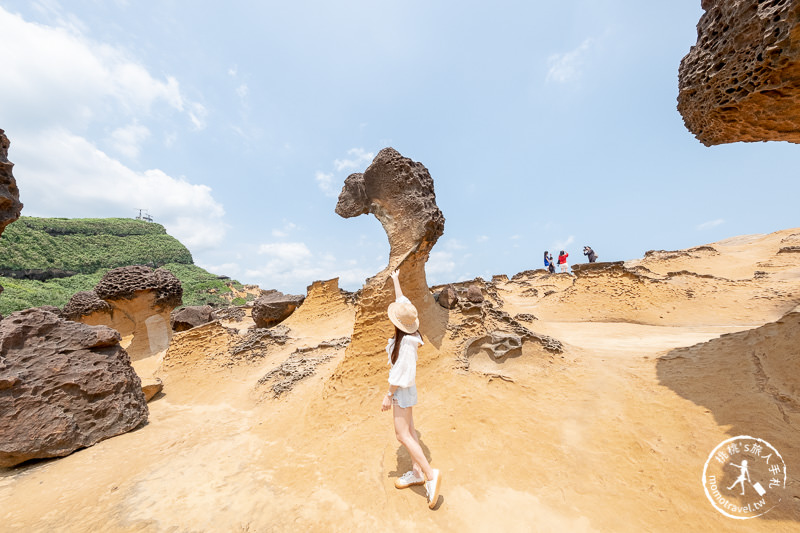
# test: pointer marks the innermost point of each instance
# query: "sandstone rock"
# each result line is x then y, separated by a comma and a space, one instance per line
739, 82
474, 294
10, 206
150, 387
273, 307
399, 192
63, 386
448, 298
141, 300
191, 317
83, 304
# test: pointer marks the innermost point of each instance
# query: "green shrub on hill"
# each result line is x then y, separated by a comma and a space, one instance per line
91, 247
86, 245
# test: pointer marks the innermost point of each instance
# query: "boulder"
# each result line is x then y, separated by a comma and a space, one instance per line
399, 192
273, 307
191, 317
474, 294
448, 297
150, 387
63, 386
739, 82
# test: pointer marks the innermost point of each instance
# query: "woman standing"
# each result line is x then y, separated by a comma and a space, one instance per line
402, 395
562, 261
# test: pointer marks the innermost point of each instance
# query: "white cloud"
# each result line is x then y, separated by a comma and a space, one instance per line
329, 184
562, 245
53, 74
62, 174
481, 238
440, 267
242, 91
284, 231
128, 140
566, 67
292, 266
710, 224
58, 85
359, 160
326, 185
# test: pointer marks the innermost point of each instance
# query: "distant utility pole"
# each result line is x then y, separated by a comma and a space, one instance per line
146, 217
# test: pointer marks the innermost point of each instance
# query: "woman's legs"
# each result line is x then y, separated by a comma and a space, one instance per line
407, 435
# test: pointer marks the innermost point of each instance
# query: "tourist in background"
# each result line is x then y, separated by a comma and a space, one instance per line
562, 261
588, 252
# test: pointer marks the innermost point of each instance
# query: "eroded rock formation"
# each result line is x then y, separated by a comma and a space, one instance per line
399, 192
63, 386
739, 82
10, 206
137, 302
273, 307
448, 297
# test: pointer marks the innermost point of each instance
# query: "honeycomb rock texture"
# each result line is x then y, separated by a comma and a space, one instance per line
123, 283
740, 81
63, 386
84, 303
400, 193
10, 206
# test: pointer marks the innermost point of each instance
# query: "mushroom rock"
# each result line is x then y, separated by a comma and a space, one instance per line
88, 308
140, 300
739, 82
273, 307
10, 206
63, 386
399, 192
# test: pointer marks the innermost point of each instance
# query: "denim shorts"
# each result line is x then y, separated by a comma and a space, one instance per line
405, 397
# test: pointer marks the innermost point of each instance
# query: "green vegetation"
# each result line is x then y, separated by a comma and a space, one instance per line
91, 247
87, 245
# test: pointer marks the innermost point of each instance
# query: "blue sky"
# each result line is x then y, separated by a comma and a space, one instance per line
545, 125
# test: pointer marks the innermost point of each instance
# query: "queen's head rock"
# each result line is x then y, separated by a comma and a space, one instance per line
399, 193
739, 82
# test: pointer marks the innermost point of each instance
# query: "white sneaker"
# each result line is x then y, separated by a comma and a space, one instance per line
432, 488
408, 479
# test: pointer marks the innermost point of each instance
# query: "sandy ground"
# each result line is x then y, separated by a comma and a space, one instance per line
610, 435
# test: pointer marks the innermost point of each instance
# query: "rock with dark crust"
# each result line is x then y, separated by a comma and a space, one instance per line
448, 297
474, 294
399, 192
124, 282
63, 386
190, 317
84, 303
739, 82
10, 206
273, 307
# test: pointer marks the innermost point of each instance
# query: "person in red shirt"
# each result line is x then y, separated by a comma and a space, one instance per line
562, 261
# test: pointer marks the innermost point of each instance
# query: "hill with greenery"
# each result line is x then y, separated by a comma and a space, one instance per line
44, 261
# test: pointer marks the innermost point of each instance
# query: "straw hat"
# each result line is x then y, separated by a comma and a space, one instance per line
404, 316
